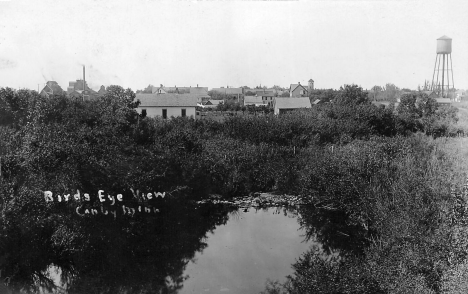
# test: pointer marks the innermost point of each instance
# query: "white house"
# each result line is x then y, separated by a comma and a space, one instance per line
167, 105
283, 105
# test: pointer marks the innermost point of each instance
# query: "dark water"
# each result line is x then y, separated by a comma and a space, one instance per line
241, 255
182, 249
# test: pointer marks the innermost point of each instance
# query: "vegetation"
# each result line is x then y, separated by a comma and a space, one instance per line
377, 187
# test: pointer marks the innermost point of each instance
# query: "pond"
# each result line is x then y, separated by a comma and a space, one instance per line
185, 249
250, 248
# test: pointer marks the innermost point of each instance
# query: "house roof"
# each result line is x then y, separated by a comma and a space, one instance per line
52, 87
228, 90
253, 100
170, 99
265, 93
292, 103
294, 86
214, 102
199, 91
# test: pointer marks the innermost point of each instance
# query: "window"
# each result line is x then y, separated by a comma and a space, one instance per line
184, 112
143, 113
164, 113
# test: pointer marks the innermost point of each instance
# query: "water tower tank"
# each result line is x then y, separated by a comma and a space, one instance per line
444, 45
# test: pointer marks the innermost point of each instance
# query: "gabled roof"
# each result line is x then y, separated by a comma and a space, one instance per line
294, 87
161, 100
52, 87
214, 102
291, 103
230, 91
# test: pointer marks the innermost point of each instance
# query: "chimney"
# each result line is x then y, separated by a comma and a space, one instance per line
299, 83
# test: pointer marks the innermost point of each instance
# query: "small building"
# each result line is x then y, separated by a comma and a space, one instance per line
284, 104
253, 100
267, 96
167, 105
212, 103
51, 88
298, 90
444, 101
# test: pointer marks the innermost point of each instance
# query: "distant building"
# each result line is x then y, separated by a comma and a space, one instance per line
458, 95
201, 92
51, 88
311, 85
79, 90
213, 103
167, 105
102, 91
253, 100
297, 90
285, 104
230, 92
267, 96
444, 101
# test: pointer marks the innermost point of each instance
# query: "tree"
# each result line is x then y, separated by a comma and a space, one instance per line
389, 93
375, 92
322, 95
147, 90
351, 94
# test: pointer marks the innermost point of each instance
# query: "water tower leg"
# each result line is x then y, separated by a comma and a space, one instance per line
435, 66
438, 73
443, 74
451, 69
448, 79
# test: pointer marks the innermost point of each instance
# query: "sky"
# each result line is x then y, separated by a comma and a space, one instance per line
229, 43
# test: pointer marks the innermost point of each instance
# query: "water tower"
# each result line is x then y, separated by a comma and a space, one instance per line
441, 83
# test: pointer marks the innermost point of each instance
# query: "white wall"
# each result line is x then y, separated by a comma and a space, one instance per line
174, 111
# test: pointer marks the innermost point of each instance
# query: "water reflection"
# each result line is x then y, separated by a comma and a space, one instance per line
256, 245
167, 252
144, 254
334, 230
